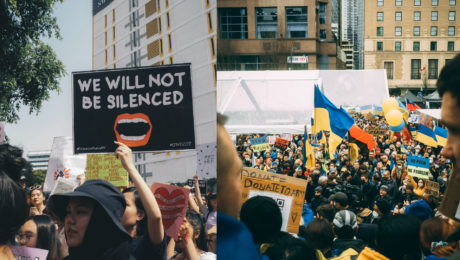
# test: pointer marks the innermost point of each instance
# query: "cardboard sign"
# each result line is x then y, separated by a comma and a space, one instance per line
173, 203
29, 253
281, 143
201, 184
206, 160
450, 205
62, 186
260, 144
375, 130
418, 167
146, 108
370, 117
288, 192
106, 167
432, 188
63, 163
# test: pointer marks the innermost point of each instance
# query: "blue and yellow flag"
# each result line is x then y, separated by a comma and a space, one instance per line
441, 135
402, 108
426, 135
309, 158
330, 118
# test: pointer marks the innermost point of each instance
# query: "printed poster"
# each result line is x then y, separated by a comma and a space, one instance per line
206, 160
418, 167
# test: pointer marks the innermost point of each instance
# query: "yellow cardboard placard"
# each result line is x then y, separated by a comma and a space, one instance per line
106, 167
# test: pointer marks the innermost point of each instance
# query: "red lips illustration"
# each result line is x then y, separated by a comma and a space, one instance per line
171, 205
126, 132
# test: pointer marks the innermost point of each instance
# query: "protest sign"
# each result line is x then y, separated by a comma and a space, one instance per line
146, 108
287, 191
271, 139
206, 160
63, 163
450, 205
432, 188
370, 117
414, 118
201, 184
29, 253
375, 130
63, 186
260, 144
418, 167
106, 167
173, 203
281, 143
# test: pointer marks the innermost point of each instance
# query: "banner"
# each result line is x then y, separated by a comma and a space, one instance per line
281, 143
201, 184
288, 192
375, 130
173, 203
106, 167
206, 160
418, 167
432, 188
260, 144
146, 108
22, 252
63, 163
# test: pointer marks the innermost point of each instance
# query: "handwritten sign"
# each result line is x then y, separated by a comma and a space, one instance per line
29, 253
62, 186
106, 167
201, 184
206, 160
281, 143
418, 167
173, 203
260, 144
287, 191
375, 130
370, 117
432, 188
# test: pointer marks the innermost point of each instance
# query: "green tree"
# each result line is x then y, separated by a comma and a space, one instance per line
34, 178
29, 68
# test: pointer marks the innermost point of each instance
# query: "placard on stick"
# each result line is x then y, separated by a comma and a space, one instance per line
281, 143
432, 188
418, 167
288, 192
106, 167
173, 202
146, 108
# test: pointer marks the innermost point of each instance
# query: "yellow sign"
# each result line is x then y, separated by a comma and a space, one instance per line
106, 167
288, 192
260, 147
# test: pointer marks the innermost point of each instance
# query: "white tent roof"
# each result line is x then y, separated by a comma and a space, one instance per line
435, 113
277, 102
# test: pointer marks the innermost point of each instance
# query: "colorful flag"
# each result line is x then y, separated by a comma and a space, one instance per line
406, 134
426, 135
403, 110
309, 158
356, 133
366, 109
354, 152
441, 135
330, 118
411, 106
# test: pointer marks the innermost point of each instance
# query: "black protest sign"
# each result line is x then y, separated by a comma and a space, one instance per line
146, 108
201, 184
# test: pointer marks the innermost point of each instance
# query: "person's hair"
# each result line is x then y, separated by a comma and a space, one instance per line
326, 211
287, 247
345, 232
141, 228
410, 186
398, 237
11, 161
449, 78
197, 223
13, 207
432, 230
47, 236
319, 234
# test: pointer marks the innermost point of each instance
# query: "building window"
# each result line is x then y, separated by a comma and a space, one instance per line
415, 65
266, 22
450, 46
113, 15
379, 16
434, 2
233, 23
434, 15
398, 3
322, 13
416, 46
322, 34
434, 30
135, 39
398, 31
113, 34
246, 62
451, 31
432, 69
417, 2
451, 15
379, 46
379, 2
433, 46
134, 19
397, 46
417, 16
416, 30
388, 66
398, 16
105, 21
451, 2
379, 31
296, 22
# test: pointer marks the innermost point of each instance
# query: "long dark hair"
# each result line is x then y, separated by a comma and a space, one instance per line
141, 228
47, 236
197, 223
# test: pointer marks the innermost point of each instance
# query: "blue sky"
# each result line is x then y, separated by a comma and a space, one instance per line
36, 132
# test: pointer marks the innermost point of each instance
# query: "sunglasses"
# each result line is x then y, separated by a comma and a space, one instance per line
38, 187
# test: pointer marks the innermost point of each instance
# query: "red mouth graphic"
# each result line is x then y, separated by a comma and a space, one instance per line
128, 137
171, 205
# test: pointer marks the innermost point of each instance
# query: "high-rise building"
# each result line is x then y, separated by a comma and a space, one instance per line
38, 159
132, 33
352, 30
276, 35
411, 39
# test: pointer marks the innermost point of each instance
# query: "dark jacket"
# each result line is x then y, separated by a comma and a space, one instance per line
369, 191
341, 245
317, 201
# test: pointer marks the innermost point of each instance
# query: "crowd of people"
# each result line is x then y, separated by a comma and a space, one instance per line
368, 207
97, 220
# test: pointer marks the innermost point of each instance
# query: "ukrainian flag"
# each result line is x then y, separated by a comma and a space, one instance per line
330, 118
441, 135
378, 111
413, 131
309, 158
426, 135
366, 109
403, 110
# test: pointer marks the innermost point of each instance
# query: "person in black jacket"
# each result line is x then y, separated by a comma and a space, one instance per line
318, 200
369, 191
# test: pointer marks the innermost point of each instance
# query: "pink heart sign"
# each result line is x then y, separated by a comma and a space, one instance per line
173, 203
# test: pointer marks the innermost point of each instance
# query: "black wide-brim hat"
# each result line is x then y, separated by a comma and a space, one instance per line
107, 196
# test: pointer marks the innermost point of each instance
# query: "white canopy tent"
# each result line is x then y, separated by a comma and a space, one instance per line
434, 113
277, 102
